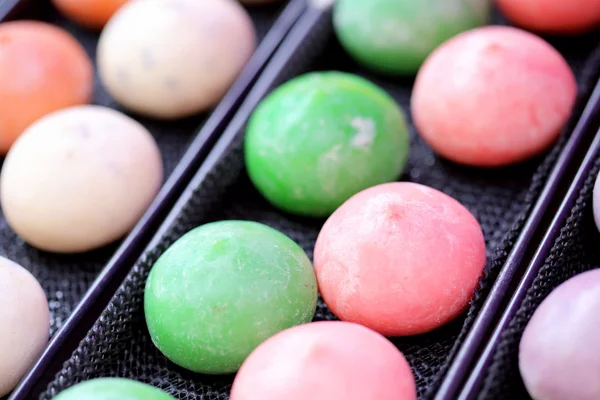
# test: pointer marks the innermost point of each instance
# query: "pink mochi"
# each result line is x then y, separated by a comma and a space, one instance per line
400, 258
559, 355
493, 96
328, 360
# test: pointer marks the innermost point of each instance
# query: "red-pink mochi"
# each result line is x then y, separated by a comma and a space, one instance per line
327, 360
400, 258
552, 16
493, 96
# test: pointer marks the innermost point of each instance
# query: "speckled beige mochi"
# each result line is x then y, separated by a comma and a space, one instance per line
24, 323
79, 178
172, 59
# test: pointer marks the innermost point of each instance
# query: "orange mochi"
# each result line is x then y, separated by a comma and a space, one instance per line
93, 14
42, 69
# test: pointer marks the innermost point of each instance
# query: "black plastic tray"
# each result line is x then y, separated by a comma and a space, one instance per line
184, 144
503, 200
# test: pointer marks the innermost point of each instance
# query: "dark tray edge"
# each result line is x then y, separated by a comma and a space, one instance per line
98, 295
478, 372
513, 268
10, 8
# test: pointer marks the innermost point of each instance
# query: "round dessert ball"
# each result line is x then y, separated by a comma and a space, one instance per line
395, 36
79, 179
472, 114
327, 360
552, 16
400, 258
180, 59
93, 14
322, 137
222, 289
42, 69
112, 389
559, 354
24, 323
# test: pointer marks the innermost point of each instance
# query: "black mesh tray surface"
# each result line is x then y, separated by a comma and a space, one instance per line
119, 345
66, 278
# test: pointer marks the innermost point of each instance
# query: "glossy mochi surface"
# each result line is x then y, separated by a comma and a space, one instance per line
321, 138
559, 353
24, 323
222, 289
400, 258
79, 178
42, 69
493, 96
327, 360
395, 36
113, 389
180, 59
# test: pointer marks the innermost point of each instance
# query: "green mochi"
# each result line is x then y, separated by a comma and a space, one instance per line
395, 36
222, 289
113, 389
322, 137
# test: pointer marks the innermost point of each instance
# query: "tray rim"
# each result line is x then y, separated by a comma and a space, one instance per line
9, 8
98, 295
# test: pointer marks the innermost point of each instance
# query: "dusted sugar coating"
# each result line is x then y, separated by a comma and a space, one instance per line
395, 36
113, 389
553, 16
400, 258
93, 14
222, 289
79, 179
24, 323
322, 137
493, 96
327, 360
559, 354
42, 69
180, 59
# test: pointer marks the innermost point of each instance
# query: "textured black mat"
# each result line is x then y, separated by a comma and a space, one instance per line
119, 344
65, 279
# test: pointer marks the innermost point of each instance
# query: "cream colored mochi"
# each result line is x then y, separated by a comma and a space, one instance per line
174, 58
79, 179
24, 323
